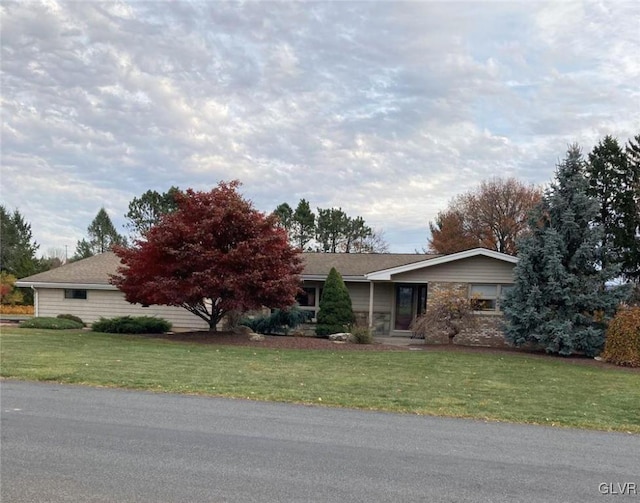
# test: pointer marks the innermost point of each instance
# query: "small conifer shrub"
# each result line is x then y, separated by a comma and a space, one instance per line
336, 312
622, 346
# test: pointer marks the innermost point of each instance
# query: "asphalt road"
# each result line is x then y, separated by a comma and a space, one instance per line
70, 443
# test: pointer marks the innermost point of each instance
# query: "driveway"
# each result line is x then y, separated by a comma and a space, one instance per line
78, 444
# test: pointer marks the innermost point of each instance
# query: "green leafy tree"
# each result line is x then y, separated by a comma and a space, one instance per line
303, 225
560, 300
336, 312
17, 247
102, 237
145, 211
613, 181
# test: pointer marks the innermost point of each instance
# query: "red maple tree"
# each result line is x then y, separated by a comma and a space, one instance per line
213, 255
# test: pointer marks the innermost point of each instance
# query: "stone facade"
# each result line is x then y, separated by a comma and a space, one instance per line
487, 332
487, 329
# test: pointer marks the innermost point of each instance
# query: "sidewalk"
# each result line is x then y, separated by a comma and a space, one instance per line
399, 341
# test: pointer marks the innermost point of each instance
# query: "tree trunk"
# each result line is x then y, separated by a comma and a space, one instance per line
213, 325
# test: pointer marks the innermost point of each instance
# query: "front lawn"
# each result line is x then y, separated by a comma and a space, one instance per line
503, 387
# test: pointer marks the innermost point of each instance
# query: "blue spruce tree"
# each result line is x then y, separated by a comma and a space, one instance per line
561, 300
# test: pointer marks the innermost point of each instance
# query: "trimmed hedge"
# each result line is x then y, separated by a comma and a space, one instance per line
131, 325
51, 323
622, 346
71, 317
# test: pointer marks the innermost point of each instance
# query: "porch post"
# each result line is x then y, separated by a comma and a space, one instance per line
371, 304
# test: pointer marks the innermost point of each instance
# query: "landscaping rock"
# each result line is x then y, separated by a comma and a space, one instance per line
242, 330
256, 337
341, 337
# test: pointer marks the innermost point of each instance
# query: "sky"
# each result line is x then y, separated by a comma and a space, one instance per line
385, 109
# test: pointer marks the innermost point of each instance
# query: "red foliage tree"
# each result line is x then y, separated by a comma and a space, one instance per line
213, 255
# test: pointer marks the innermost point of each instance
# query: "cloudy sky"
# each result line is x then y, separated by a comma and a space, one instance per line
386, 109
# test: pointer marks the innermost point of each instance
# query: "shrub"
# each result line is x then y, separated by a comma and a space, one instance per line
279, 321
71, 317
361, 335
449, 312
8, 293
336, 312
131, 325
622, 345
24, 310
51, 323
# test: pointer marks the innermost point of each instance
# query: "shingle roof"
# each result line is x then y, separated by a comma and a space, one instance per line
357, 264
90, 271
96, 270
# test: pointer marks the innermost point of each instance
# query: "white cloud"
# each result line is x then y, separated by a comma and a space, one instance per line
387, 109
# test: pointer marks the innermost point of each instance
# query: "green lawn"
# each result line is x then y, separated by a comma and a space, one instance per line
517, 388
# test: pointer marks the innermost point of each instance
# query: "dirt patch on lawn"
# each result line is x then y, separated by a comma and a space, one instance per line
289, 342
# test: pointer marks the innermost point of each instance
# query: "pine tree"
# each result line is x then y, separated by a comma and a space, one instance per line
631, 257
102, 237
17, 247
560, 300
303, 226
336, 312
147, 210
613, 181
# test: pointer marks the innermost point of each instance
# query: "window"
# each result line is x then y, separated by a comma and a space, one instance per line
309, 300
75, 294
488, 297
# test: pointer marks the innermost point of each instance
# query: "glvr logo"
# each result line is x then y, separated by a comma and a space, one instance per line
618, 488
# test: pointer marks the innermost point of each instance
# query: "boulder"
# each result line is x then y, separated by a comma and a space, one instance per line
242, 330
340, 337
256, 337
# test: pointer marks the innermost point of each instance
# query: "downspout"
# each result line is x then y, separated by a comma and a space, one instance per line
35, 301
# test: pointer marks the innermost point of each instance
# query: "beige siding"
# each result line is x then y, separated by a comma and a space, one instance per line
110, 303
382, 297
469, 270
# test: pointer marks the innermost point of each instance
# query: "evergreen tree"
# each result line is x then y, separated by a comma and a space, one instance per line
560, 300
336, 312
17, 247
356, 232
613, 181
631, 257
284, 212
303, 226
102, 237
331, 230
145, 211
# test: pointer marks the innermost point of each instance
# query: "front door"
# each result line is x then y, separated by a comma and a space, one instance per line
411, 301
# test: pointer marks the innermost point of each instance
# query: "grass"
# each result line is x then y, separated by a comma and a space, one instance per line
515, 388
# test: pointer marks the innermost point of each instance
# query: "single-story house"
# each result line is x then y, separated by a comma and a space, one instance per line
388, 290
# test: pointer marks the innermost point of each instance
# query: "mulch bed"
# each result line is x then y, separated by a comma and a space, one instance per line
275, 342
288, 342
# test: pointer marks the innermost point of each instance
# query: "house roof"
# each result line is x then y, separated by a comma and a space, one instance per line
90, 271
94, 271
356, 264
